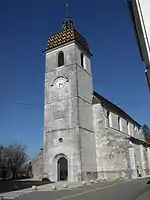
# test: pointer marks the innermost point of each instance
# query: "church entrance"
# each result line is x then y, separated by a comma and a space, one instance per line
62, 169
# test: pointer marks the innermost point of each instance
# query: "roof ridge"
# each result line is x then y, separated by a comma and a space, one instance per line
101, 98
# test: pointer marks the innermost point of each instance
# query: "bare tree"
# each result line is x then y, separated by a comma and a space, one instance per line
28, 169
16, 157
146, 132
3, 162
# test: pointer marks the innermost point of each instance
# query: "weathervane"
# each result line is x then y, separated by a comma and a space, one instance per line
67, 23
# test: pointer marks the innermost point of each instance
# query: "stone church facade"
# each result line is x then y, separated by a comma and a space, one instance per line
86, 137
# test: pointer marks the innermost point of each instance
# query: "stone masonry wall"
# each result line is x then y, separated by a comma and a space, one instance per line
37, 166
117, 155
111, 147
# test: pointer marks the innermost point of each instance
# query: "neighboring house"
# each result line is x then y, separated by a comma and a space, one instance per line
140, 13
85, 135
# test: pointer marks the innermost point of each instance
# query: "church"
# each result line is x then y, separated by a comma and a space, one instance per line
86, 137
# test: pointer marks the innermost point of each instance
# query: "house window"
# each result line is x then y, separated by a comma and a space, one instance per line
82, 59
60, 59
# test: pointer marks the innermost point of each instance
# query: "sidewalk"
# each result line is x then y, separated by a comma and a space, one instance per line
70, 185
59, 186
146, 176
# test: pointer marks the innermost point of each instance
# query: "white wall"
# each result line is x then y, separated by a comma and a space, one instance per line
123, 126
142, 16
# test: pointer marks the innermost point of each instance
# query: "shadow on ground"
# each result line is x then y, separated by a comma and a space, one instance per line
13, 185
148, 182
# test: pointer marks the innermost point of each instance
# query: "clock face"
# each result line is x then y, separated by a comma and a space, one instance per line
60, 82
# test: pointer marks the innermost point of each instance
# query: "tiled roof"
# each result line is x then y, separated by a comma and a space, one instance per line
64, 36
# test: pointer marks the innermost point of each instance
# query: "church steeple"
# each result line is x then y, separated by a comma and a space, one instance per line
67, 34
67, 23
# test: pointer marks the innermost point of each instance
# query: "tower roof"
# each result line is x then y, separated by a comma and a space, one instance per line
67, 35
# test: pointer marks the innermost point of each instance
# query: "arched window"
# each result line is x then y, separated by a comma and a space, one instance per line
127, 127
82, 61
60, 59
119, 123
108, 115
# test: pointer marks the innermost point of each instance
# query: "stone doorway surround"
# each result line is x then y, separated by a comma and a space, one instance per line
61, 167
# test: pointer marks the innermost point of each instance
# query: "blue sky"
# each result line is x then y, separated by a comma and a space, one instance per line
118, 73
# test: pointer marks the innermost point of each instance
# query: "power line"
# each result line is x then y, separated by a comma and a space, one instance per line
27, 104
32, 106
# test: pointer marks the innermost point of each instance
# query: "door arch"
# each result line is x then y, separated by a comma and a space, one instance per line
62, 169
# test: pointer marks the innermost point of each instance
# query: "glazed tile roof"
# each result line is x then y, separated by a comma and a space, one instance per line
64, 36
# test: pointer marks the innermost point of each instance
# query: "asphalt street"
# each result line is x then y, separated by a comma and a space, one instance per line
130, 190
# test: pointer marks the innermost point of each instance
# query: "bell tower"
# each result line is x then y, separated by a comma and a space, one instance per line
69, 139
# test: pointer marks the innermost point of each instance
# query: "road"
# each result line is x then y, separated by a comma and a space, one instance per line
130, 190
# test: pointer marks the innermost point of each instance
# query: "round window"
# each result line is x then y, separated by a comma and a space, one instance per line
60, 140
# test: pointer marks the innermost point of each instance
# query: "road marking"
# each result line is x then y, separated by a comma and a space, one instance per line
90, 191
